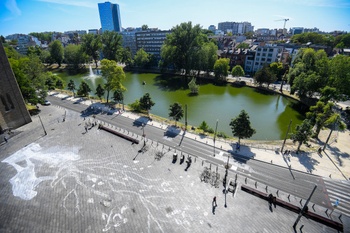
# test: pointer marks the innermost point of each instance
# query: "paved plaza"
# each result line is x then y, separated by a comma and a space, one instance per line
73, 180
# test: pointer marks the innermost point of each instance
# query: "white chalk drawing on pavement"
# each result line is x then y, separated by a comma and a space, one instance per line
79, 177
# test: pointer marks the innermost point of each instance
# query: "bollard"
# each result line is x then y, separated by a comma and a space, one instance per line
289, 197
202, 163
256, 184
313, 207
301, 201
340, 216
245, 180
277, 192
266, 188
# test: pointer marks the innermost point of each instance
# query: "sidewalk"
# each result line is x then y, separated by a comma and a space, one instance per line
334, 162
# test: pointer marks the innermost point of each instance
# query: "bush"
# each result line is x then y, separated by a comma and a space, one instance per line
210, 130
222, 135
135, 106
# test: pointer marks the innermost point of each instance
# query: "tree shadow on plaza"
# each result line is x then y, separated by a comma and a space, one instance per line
338, 155
243, 154
141, 121
306, 160
172, 131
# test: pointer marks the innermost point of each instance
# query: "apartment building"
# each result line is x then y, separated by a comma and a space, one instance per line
151, 41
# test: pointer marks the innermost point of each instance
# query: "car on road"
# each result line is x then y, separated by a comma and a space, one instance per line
46, 103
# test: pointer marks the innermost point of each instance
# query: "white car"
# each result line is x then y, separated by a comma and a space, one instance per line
46, 102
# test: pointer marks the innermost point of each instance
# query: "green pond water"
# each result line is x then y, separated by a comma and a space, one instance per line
269, 114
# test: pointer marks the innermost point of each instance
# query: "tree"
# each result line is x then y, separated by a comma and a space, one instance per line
100, 91
181, 45
144, 27
340, 75
334, 121
113, 74
127, 56
243, 46
302, 133
141, 58
221, 68
203, 126
111, 45
71, 86
56, 52
91, 44
75, 58
265, 76
241, 127
146, 103
194, 88
319, 114
118, 97
237, 71
176, 112
84, 89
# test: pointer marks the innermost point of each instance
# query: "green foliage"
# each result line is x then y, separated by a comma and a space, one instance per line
241, 127
135, 106
112, 45
237, 71
265, 76
118, 96
91, 44
141, 58
312, 37
113, 74
340, 75
53, 81
302, 133
243, 46
144, 27
75, 58
146, 102
210, 130
127, 56
204, 126
194, 88
319, 114
221, 135
343, 41
71, 86
42, 36
249, 35
100, 91
181, 47
277, 69
176, 112
56, 52
221, 68
84, 89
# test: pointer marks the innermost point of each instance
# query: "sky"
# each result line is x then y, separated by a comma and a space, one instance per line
25, 16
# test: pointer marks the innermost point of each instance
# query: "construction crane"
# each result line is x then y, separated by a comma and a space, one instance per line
284, 25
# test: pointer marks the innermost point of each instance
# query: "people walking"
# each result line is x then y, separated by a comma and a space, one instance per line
5, 138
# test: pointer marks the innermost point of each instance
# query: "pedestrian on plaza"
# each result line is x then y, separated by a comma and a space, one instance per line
335, 205
86, 130
214, 201
5, 139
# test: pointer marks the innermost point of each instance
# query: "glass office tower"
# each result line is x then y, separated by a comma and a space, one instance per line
110, 17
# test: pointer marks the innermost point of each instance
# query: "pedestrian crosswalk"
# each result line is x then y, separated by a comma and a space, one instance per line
339, 190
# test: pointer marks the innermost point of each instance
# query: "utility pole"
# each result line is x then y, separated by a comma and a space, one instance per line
303, 209
285, 138
216, 128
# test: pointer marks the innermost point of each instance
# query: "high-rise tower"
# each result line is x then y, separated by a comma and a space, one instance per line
110, 17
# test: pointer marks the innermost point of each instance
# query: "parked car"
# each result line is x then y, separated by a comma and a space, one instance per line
46, 102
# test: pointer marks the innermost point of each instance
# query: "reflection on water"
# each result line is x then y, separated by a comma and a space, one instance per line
270, 114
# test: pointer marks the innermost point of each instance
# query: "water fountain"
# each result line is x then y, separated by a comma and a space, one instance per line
91, 72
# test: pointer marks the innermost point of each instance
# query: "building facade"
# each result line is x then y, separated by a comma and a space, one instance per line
266, 55
151, 41
236, 28
13, 112
110, 17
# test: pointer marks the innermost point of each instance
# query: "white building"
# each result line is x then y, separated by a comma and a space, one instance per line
266, 55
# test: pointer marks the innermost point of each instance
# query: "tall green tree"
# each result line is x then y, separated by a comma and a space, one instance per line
71, 86
113, 74
91, 45
204, 126
127, 56
141, 58
241, 127
75, 58
319, 114
221, 68
265, 76
146, 103
340, 75
237, 71
111, 45
118, 97
176, 112
56, 52
100, 91
302, 133
84, 89
181, 46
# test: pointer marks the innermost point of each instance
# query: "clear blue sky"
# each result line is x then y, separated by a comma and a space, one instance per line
25, 16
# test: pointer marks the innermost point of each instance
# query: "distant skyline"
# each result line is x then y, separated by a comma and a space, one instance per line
25, 16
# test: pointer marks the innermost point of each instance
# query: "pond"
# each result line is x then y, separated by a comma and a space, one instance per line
269, 113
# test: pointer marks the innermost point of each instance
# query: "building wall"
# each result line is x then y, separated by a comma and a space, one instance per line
151, 41
13, 112
266, 55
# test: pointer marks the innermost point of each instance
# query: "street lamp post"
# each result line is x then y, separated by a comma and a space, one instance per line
303, 209
216, 128
42, 124
143, 134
